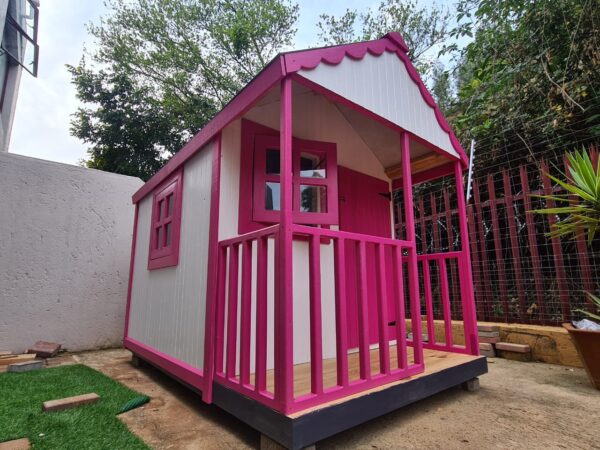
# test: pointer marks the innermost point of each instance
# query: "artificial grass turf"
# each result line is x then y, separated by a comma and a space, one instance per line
90, 427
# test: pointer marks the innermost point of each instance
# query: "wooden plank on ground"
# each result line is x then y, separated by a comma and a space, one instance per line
11, 359
70, 402
16, 444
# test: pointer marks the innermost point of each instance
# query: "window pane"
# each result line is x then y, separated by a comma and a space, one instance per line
169, 205
159, 234
313, 198
312, 166
159, 210
168, 231
272, 193
272, 161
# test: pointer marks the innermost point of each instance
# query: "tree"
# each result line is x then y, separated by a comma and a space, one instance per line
423, 28
528, 80
163, 68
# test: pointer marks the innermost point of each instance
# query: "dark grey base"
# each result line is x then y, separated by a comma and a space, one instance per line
310, 428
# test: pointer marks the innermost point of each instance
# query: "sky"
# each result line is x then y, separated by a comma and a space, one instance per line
45, 104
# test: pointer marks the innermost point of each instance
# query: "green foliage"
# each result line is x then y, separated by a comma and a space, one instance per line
423, 28
595, 302
163, 68
94, 426
583, 184
528, 78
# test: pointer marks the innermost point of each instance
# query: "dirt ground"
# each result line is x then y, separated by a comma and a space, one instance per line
519, 406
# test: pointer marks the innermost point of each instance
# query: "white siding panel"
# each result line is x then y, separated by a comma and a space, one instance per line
382, 85
168, 305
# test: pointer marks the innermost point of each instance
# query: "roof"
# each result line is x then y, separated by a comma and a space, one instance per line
286, 64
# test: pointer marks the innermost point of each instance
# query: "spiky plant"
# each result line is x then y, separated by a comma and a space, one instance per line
595, 301
581, 200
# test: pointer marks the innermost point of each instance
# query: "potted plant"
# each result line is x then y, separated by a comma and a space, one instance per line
581, 202
587, 341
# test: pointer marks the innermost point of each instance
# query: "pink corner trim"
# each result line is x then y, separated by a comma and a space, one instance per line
175, 367
131, 268
212, 273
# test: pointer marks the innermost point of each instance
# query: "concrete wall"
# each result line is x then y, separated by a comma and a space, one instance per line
65, 243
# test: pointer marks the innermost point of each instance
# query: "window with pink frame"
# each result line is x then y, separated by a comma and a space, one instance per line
166, 223
314, 165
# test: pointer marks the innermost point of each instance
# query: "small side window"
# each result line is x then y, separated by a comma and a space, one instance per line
166, 223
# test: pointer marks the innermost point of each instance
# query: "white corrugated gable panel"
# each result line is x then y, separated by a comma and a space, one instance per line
382, 85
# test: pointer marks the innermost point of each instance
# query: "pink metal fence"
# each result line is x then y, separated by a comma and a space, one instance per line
520, 275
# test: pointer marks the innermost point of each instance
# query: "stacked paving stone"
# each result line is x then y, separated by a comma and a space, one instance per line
488, 336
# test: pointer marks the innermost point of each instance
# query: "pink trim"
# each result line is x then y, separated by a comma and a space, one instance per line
287, 64
284, 320
341, 325
363, 312
413, 270
246, 313
443, 273
402, 355
212, 273
382, 304
316, 325
262, 269
179, 369
465, 269
131, 269
250, 129
166, 254
232, 315
241, 103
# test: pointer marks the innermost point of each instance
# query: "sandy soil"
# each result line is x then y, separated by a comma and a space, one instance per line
519, 406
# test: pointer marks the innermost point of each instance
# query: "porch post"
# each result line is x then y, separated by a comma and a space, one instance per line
466, 275
413, 270
284, 382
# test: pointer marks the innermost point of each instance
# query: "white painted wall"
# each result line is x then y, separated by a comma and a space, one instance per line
65, 246
382, 85
168, 304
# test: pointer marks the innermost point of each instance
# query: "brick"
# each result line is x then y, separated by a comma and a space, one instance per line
485, 346
488, 334
471, 385
488, 353
489, 340
70, 402
488, 328
44, 349
5, 360
26, 366
509, 347
16, 444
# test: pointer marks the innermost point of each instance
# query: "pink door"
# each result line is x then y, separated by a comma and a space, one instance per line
364, 207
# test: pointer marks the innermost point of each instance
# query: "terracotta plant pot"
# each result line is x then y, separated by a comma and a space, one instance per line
587, 344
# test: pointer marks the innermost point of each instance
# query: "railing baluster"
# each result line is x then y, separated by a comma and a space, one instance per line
246, 312
341, 323
316, 347
443, 274
220, 328
400, 309
363, 312
382, 304
261, 314
232, 310
428, 301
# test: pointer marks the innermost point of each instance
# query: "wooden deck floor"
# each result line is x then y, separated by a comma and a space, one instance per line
435, 361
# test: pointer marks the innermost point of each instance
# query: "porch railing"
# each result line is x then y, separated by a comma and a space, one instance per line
436, 266
244, 274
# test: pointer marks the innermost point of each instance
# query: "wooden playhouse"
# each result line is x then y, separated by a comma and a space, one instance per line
265, 272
